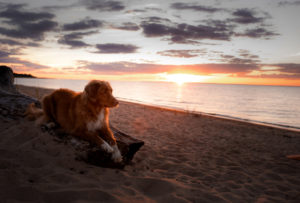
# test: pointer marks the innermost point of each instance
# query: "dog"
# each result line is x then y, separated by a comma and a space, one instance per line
84, 115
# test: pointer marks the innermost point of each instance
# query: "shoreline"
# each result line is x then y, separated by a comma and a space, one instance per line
232, 118
196, 113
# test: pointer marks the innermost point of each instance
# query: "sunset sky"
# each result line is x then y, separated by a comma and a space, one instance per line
214, 41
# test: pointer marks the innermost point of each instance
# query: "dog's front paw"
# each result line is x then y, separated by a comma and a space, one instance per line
106, 147
116, 155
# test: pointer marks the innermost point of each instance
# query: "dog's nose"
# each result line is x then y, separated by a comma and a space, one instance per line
116, 102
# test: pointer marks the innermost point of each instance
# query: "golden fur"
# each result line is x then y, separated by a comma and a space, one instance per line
84, 115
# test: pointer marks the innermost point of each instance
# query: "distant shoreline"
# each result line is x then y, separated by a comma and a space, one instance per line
21, 75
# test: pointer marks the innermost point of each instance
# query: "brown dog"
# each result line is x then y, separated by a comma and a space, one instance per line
84, 115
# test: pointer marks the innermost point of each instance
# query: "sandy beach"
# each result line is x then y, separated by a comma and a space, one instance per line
186, 158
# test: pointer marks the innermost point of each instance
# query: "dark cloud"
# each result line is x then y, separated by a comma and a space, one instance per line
34, 31
237, 60
83, 25
246, 54
103, 5
74, 40
11, 5
156, 30
182, 53
137, 11
289, 3
289, 68
4, 54
15, 15
10, 42
18, 43
257, 33
155, 19
281, 71
144, 10
242, 57
184, 33
246, 16
127, 26
26, 25
111, 48
195, 7
188, 34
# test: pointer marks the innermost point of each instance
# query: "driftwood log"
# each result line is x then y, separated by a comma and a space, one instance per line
13, 104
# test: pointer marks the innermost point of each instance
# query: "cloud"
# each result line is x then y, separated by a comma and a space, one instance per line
289, 3
237, 60
17, 43
246, 54
34, 31
144, 10
241, 57
103, 5
15, 15
259, 32
111, 48
182, 53
185, 33
289, 68
26, 25
121, 68
188, 34
155, 19
10, 42
291, 71
127, 27
83, 25
246, 16
4, 54
74, 40
195, 7
283, 71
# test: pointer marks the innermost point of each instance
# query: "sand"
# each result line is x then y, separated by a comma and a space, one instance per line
186, 158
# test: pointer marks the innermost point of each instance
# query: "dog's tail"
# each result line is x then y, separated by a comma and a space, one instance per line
33, 113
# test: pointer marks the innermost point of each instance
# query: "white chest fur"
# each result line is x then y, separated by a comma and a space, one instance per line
96, 124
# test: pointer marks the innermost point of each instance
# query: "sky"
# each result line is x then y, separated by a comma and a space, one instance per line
211, 41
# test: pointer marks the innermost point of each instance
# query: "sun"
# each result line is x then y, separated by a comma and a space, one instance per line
181, 78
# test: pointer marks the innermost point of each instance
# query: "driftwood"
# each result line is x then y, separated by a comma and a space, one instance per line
13, 105
94, 155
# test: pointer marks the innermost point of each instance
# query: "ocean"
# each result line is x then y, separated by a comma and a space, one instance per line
275, 105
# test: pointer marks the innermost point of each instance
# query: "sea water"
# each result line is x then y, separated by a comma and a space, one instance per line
277, 105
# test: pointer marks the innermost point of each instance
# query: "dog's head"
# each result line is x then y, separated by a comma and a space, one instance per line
100, 92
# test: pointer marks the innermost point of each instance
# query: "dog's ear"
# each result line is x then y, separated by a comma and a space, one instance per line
91, 90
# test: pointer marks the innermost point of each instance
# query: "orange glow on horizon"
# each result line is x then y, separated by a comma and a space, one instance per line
178, 78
